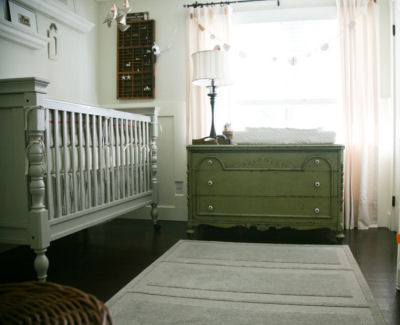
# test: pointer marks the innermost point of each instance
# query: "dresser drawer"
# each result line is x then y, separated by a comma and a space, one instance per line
265, 183
242, 206
318, 161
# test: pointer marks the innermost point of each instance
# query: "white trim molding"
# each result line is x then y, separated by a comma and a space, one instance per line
21, 35
57, 11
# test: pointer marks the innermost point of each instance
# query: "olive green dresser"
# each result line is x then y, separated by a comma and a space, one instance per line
297, 186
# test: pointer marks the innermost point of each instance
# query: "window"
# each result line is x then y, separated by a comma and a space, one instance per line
289, 76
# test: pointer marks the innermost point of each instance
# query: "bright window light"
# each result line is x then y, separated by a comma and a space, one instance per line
289, 77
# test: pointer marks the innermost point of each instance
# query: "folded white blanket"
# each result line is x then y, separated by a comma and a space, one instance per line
283, 136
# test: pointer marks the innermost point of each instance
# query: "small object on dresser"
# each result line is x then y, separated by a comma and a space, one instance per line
228, 132
219, 139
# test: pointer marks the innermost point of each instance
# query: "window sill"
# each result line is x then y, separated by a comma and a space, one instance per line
21, 35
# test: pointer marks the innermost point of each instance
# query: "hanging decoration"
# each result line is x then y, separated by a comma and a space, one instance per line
242, 54
292, 60
157, 50
325, 47
227, 47
214, 37
119, 15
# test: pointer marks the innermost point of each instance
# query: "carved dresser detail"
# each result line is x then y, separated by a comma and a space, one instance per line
297, 186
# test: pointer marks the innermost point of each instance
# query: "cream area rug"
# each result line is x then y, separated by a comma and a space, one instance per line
203, 282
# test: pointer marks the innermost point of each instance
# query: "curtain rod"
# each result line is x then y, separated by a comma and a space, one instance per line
196, 4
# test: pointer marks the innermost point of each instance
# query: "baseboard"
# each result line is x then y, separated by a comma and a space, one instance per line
168, 213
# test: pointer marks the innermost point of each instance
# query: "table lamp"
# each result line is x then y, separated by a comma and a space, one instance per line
211, 69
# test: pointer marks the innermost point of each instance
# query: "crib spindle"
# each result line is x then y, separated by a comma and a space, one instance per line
101, 159
132, 162
118, 159
65, 163
73, 162
57, 165
127, 150
113, 165
49, 193
141, 156
144, 158
122, 145
81, 160
148, 171
108, 150
136, 159
87, 166
94, 161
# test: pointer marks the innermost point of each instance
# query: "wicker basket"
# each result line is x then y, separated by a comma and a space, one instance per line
49, 303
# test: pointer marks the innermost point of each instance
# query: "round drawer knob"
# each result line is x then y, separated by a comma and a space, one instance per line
210, 208
317, 162
209, 162
317, 184
210, 182
316, 210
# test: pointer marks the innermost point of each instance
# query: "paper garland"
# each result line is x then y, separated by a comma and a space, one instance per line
242, 54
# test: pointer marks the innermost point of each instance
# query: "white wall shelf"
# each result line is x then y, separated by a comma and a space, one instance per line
59, 12
20, 35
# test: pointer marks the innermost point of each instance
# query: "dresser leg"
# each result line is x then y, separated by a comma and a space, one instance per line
340, 237
190, 232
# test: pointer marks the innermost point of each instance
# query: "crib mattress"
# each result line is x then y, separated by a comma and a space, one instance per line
284, 136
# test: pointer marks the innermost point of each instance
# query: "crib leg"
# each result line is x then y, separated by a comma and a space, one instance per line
154, 216
41, 264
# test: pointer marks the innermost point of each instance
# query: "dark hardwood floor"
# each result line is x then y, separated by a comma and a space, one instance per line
103, 259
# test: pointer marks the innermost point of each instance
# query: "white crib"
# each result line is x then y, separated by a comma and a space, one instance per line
66, 167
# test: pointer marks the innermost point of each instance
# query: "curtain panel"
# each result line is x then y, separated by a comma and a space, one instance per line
360, 104
206, 28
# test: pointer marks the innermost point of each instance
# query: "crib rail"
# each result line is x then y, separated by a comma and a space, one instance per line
94, 157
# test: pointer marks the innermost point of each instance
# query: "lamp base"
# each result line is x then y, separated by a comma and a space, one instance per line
219, 139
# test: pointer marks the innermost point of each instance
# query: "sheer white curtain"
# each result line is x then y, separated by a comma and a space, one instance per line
360, 102
206, 28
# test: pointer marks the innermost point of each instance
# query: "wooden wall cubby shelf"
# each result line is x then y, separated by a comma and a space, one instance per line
136, 61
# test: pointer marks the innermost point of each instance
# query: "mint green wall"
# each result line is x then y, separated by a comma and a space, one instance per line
74, 76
